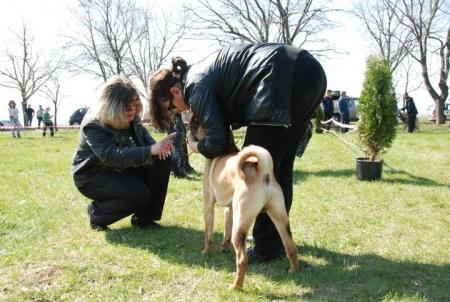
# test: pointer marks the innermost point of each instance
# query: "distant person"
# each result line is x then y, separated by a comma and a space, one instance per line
328, 108
47, 120
14, 118
411, 110
180, 159
29, 112
118, 164
39, 115
343, 108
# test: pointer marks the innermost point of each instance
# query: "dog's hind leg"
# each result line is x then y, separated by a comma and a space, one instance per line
239, 235
228, 221
277, 213
243, 217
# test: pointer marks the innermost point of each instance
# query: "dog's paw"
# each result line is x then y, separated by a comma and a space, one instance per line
292, 270
225, 249
235, 287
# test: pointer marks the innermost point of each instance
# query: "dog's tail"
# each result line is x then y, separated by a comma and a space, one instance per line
255, 161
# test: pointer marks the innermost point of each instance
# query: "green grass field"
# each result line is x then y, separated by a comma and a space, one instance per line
357, 241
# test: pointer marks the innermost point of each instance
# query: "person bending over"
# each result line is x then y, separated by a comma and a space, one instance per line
273, 89
118, 164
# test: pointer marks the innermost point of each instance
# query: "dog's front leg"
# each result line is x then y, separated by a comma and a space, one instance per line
208, 212
228, 220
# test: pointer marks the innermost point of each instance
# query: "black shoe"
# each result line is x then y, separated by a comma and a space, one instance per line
148, 224
95, 226
255, 257
99, 227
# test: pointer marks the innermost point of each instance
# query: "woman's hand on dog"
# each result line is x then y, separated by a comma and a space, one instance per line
192, 142
163, 147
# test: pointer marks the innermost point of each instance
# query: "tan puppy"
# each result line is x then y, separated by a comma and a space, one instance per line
243, 182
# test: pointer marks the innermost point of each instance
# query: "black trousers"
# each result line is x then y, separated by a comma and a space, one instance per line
140, 191
29, 120
411, 122
282, 143
327, 116
345, 119
50, 126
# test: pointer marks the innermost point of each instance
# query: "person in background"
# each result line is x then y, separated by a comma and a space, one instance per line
47, 121
343, 108
272, 89
180, 159
328, 108
39, 114
118, 164
29, 114
411, 110
14, 118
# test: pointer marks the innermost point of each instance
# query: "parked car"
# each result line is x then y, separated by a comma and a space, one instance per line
431, 112
77, 117
5, 123
352, 104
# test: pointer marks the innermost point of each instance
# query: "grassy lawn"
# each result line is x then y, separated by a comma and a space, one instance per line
358, 241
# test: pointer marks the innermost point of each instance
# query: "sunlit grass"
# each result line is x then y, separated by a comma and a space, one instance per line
365, 241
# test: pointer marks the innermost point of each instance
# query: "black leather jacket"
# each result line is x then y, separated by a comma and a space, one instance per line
101, 147
243, 84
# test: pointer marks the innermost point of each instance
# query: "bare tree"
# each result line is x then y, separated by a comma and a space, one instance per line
52, 90
105, 29
429, 23
25, 70
156, 38
282, 21
393, 40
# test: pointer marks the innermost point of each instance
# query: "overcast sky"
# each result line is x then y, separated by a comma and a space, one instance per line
48, 20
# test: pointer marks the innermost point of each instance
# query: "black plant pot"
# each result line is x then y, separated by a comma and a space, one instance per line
368, 170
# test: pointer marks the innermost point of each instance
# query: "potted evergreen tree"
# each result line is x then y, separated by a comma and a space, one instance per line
377, 110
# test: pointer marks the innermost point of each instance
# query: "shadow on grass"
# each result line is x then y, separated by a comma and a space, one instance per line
299, 176
323, 274
405, 178
369, 277
175, 244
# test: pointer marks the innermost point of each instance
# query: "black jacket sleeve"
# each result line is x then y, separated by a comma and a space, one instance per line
205, 106
102, 145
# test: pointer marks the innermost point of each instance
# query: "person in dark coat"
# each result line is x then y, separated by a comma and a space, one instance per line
179, 155
118, 164
411, 110
272, 89
328, 107
343, 108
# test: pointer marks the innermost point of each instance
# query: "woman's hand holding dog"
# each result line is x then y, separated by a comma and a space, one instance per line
163, 147
192, 142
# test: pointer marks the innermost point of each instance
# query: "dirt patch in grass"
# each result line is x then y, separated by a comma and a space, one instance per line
39, 276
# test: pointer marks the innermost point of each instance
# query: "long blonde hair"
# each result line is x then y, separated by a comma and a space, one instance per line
116, 95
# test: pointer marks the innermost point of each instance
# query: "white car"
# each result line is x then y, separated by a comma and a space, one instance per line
352, 104
431, 113
5, 123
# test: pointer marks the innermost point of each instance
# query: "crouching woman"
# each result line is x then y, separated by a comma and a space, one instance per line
118, 164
